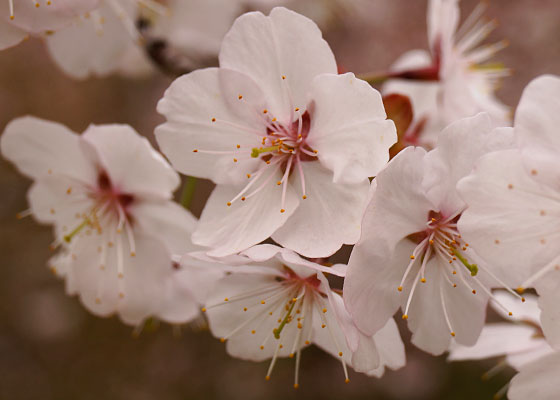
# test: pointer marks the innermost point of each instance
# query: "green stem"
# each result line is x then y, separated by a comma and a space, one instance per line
188, 192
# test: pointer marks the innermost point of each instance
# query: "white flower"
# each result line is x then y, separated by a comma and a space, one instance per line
466, 82
412, 255
513, 219
19, 19
537, 380
289, 143
274, 303
520, 342
107, 40
108, 195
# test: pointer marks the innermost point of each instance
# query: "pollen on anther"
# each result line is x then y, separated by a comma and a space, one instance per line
324, 310
307, 342
282, 210
291, 355
296, 385
340, 353
222, 340
213, 119
235, 160
304, 197
120, 275
243, 198
244, 308
474, 291
228, 203
253, 332
454, 285
265, 111
322, 326
453, 334
405, 317
267, 377
399, 288
431, 241
520, 290
510, 313
297, 109
240, 97
226, 299
121, 295
238, 146
69, 190
423, 280
283, 76
347, 380
203, 309
279, 182
262, 347
412, 257
263, 302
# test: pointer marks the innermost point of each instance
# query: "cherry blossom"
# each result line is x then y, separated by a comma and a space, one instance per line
514, 202
108, 195
273, 304
290, 160
465, 79
412, 254
19, 19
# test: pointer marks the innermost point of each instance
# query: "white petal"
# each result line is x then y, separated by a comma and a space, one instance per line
169, 221
538, 380
391, 348
443, 19
511, 218
349, 130
522, 311
370, 287
282, 44
549, 298
191, 103
265, 252
519, 360
40, 148
132, 164
458, 148
536, 126
107, 41
329, 217
10, 35
235, 228
497, 339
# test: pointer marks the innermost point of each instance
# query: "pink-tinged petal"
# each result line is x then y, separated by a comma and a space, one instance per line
538, 380
40, 148
511, 220
10, 35
399, 206
329, 217
536, 127
548, 289
370, 287
265, 252
36, 20
132, 164
200, 277
498, 339
391, 349
282, 53
168, 221
349, 130
107, 42
459, 146
231, 229
179, 302
205, 113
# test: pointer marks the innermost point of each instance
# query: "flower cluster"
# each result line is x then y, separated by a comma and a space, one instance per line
467, 213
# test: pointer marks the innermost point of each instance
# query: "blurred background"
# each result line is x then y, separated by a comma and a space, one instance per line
52, 348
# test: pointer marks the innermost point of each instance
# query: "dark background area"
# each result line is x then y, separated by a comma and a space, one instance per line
52, 348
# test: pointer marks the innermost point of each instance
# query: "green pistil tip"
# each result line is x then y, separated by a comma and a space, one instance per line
257, 151
473, 268
68, 238
278, 330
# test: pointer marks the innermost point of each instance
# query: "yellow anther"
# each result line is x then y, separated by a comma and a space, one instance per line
279, 182
203, 309
195, 151
324, 310
399, 288
235, 160
347, 380
282, 210
405, 317
120, 275
473, 291
297, 109
121, 295
423, 280
97, 300
222, 340
243, 198
248, 176
213, 119
244, 308
304, 197
412, 257
262, 347
229, 203
238, 146
226, 299
253, 332
520, 290
322, 326
291, 355
296, 385
454, 285
265, 111
239, 97
299, 325
453, 334
510, 313
263, 302
283, 76
69, 190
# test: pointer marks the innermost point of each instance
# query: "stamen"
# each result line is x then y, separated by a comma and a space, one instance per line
451, 331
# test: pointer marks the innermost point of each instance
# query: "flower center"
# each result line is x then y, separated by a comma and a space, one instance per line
292, 301
442, 240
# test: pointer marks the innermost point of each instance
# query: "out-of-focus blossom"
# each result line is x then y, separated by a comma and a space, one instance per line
537, 380
460, 80
514, 202
110, 38
412, 255
291, 159
520, 342
273, 304
107, 193
19, 19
